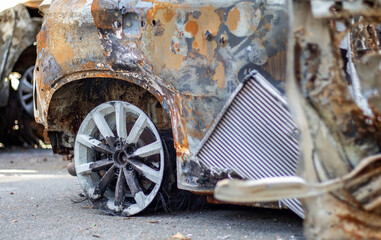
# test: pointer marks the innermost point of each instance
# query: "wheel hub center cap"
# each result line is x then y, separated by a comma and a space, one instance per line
120, 158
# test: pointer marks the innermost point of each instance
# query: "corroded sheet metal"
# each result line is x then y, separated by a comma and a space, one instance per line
190, 55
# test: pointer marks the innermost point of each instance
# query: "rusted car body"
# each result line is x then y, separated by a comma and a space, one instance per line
19, 25
335, 97
190, 67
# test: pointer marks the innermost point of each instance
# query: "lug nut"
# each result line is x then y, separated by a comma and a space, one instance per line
129, 167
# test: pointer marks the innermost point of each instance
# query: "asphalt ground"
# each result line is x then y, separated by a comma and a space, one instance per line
40, 200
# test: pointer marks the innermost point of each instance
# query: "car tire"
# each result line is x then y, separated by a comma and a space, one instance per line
25, 90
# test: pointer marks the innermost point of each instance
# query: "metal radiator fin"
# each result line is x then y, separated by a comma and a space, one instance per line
256, 137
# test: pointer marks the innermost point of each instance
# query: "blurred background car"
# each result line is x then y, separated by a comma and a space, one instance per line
20, 22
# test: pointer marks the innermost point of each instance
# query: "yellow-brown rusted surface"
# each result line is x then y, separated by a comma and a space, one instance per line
233, 18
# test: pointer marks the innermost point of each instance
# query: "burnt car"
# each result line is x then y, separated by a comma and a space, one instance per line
19, 25
148, 94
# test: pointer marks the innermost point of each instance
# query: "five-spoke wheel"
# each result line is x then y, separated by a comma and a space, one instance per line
119, 158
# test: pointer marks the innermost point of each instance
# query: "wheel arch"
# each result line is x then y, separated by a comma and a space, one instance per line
72, 101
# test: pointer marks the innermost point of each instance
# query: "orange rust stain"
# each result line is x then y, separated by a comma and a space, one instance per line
181, 151
191, 27
178, 125
208, 21
168, 14
61, 50
88, 65
99, 16
219, 75
159, 47
166, 9
65, 43
233, 19
180, 139
41, 40
95, 10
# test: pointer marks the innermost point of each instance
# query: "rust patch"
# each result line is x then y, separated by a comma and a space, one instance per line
233, 19
192, 28
166, 9
168, 14
101, 18
219, 75
62, 51
159, 49
41, 39
178, 128
208, 21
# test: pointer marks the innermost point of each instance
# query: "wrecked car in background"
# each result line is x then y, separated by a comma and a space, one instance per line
333, 87
146, 94
19, 25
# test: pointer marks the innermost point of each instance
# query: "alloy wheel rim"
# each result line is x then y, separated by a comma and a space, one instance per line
119, 156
